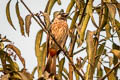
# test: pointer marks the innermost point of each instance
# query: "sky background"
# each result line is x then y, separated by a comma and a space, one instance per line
27, 44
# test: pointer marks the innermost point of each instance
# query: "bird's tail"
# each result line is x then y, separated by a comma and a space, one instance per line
51, 64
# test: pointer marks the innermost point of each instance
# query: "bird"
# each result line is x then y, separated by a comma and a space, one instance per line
59, 30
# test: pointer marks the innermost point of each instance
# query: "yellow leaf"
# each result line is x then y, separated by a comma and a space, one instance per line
112, 10
91, 55
116, 52
104, 17
70, 6
111, 76
8, 14
1, 45
59, 2
21, 22
17, 51
28, 23
47, 19
39, 52
49, 6
107, 29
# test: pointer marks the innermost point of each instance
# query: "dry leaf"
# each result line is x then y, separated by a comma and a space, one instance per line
8, 14
28, 23
17, 51
21, 22
116, 52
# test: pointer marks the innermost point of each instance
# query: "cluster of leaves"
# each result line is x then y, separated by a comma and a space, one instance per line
9, 67
96, 41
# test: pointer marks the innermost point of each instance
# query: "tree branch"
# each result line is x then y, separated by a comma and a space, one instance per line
110, 71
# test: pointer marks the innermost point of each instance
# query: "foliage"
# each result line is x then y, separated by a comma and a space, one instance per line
106, 31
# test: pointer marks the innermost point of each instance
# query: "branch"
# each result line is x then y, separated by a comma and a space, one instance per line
33, 16
83, 12
48, 32
110, 71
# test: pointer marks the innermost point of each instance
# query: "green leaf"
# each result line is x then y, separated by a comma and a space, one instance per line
49, 6
21, 22
99, 72
28, 23
111, 75
70, 6
8, 14
34, 70
18, 53
39, 52
61, 65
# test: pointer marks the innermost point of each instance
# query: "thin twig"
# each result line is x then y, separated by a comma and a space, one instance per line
79, 51
33, 16
110, 71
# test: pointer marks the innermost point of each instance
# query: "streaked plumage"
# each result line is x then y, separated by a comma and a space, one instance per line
59, 30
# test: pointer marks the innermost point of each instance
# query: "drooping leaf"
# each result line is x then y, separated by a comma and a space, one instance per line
5, 77
21, 22
39, 52
104, 17
107, 29
17, 51
112, 12
34, 70
6, 58
116, 52
8, 15
90, 12
73, 23
99, 52
99, 72
38, 41
28, 23
49, 6
24, 76
70, 6
115, 59
111, 75
118, 8
77, 76
117, 28
83, 26
110, 61
1, 45
15, 75
61, 65
91, 55
47, 19
59, 2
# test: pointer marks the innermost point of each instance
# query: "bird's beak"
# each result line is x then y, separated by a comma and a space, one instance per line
65, 14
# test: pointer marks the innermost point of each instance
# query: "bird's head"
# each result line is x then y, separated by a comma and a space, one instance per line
61, 15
